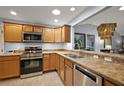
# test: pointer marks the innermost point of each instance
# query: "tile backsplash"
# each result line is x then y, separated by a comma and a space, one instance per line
16, 46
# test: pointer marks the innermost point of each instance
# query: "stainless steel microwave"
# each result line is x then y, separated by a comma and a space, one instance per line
33, 37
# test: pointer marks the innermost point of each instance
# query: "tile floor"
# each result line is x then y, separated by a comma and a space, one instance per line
47, 79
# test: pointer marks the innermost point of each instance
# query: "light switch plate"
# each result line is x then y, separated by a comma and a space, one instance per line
107, 58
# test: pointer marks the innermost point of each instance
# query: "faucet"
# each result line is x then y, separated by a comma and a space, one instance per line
79, 48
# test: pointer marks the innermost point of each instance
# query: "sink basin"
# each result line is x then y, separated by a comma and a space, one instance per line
73, 55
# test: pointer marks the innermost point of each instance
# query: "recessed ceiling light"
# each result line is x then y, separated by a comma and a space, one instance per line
121, 8
56, 20
56, 12
72, 9
13, 12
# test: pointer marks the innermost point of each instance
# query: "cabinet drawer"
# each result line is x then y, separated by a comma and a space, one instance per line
9, 58
69, 63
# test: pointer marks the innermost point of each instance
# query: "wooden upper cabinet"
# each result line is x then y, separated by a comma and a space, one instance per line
66, 33
38, 29
27, 28
48, 35
58, 34
12, 32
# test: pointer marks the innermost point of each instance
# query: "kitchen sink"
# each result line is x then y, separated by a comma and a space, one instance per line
73, 55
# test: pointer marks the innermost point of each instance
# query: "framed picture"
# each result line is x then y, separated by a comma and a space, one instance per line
79, 41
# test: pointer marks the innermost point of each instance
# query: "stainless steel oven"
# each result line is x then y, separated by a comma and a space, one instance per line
32, 66
31, 62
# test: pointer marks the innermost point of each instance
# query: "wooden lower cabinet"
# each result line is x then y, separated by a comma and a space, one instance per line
108, 83
9, 67
46, 62
49, 62
68, 73
62, 68
57, 63
52, 61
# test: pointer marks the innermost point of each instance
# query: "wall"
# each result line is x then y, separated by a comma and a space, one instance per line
116, 41
16, 46
90, 29
1, 37
99, 44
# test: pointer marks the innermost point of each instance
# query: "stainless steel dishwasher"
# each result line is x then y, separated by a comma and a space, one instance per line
83, 77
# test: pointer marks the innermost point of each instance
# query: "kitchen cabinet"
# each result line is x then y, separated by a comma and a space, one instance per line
49, 62
27, 28
48, 35
108, 83
46, 60
68, 73
9, 67
38, 29
66, 33
57, 63
12, 32
62, 68
52, 61
58, 35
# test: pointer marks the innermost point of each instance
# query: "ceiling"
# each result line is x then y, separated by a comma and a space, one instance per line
40, 14
109, 15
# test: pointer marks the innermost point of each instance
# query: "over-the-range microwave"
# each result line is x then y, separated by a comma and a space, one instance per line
32, 37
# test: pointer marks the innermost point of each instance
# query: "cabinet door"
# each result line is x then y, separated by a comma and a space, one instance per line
38, 29
62, 68
9, 69
48, 35
46, 64
12, 32
66, 33
52, 61
57, 63
68, 73
27, 28
58, 34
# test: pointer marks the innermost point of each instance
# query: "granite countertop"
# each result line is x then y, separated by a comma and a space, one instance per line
10, 54
112, 71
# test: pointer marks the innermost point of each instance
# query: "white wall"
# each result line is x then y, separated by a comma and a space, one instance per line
90, 29
16, 46
1, 37
116, 41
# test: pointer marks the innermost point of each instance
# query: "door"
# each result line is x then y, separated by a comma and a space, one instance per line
66, 33
48, 35
46, 62
27, 28
52, 61
13, 32
68, 73
62, 67
38, 29
58, 34
9, 69
57, 63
